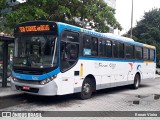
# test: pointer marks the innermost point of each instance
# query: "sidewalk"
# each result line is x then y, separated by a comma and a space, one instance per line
7, 92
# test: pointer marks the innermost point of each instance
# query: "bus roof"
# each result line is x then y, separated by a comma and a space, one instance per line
91, 32
106, 35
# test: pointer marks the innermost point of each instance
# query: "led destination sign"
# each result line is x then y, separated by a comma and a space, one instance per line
34, 28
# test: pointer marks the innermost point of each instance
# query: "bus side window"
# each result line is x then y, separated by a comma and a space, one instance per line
145, 53
129, 51
90, 46
138, 52
108, 48
121, 50
102, 48
115, 50
94, 45
152, 54
86, 45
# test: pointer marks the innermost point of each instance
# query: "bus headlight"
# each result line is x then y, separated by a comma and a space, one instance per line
14, 79
43, 82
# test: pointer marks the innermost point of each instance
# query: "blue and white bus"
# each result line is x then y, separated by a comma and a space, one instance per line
54, 58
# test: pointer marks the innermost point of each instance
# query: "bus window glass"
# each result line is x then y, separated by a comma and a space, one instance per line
102, 48
115, 49
151, 54
69, 50
121, 50
86, 45
108, 48
36, 51
138, 52
129, 51
100, 52
145, 54
94, 45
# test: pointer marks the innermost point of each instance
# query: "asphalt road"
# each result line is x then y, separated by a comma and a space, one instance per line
146, 98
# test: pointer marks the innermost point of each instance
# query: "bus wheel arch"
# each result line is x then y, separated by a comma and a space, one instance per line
88, 87
93, 80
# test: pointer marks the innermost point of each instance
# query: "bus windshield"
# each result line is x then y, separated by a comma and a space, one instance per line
36, 51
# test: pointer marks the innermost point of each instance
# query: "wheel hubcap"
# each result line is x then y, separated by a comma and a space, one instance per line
86, 88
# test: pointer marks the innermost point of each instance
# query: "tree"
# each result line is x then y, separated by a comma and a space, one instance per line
3, 5
4, 9
147, 30
96, 13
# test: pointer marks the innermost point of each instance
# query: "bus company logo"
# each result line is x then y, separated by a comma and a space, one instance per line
98, 65
34, 78
112, 65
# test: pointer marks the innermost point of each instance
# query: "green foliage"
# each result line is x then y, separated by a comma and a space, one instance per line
3, 5
3, 8
148, 30
96, 13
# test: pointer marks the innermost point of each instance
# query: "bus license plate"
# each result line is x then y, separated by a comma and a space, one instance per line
26, 88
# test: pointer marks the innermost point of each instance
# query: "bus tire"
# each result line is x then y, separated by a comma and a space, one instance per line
86, 90
136, 82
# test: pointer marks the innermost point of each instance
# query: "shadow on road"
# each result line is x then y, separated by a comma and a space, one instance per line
60, 101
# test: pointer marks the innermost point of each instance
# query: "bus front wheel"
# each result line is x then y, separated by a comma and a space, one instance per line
86, 90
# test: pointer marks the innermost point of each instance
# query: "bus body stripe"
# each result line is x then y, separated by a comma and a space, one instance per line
35, 77
111, 59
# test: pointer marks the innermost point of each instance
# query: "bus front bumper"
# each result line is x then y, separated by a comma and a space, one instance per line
49, 89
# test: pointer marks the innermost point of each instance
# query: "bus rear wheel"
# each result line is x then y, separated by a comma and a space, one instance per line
136, 82
86, 90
